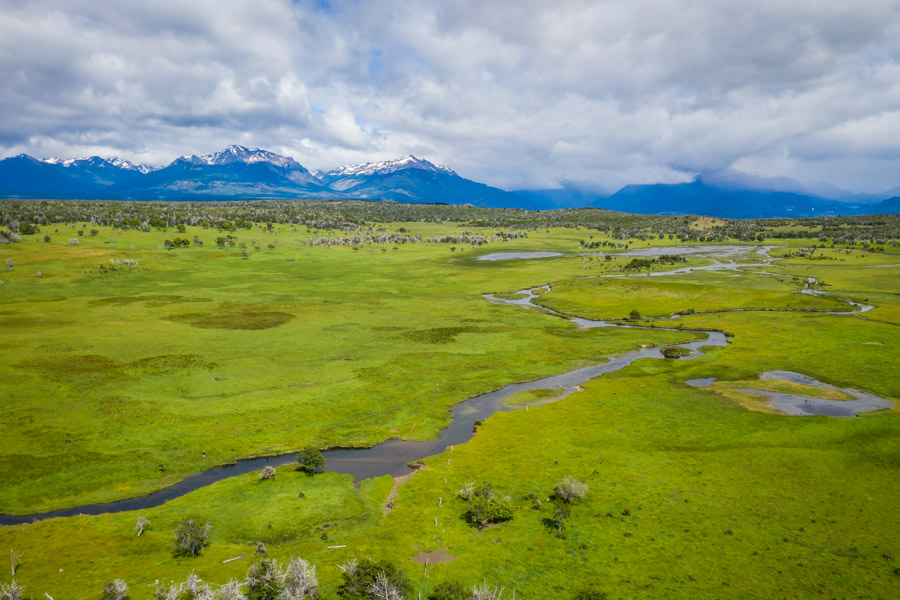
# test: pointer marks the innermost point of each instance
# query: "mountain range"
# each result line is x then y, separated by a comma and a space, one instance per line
238, 172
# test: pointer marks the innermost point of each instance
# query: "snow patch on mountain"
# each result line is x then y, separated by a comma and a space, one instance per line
235, 153
388, 166
98, 161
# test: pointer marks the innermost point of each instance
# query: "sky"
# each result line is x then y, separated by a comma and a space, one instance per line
518, 94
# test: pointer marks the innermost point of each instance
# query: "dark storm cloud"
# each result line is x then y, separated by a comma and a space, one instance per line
516, 94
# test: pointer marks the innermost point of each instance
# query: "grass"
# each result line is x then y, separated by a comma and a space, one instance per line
110, 374
701, 291
120, 382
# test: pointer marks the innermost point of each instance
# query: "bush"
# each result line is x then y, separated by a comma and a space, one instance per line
115, 590
484, 506
191, 538
675, 352
449, 590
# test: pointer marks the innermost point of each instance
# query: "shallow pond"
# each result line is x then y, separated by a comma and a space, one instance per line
518, 255
799, 405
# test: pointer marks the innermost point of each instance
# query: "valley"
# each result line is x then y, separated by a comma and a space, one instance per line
132, 364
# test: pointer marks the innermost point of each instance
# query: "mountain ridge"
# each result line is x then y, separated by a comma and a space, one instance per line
239, 172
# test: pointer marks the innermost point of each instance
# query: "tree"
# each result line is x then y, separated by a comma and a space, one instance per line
371, 580
561, 510
191, 537
268, 472
141, 524
12, 591
384, 589
568, 490
300, 580
634, 315
485, 592
310, 460
191, 588
115, 590
265, 580
230, 591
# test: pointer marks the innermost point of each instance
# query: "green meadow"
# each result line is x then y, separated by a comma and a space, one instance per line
128, 366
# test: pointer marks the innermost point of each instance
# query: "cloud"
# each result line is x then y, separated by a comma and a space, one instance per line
516, 94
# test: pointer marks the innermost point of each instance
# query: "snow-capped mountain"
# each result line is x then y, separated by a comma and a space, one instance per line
387, 166
411, 179
98, 162
238, 172
242, 154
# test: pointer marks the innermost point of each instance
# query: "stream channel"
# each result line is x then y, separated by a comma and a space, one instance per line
394, 456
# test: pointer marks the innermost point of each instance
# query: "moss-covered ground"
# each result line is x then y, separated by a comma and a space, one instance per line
119, 380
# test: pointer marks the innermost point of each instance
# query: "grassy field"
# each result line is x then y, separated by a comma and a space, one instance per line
127, 366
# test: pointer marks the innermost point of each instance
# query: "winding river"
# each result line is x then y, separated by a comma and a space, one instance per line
393, 457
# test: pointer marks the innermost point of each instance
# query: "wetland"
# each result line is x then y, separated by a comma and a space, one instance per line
135, 371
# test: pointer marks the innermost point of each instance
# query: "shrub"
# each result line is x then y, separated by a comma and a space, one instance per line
484, 506
448, 590
368, 579
675, 352
115, 590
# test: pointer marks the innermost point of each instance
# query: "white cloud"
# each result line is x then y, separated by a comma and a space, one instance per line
516, 94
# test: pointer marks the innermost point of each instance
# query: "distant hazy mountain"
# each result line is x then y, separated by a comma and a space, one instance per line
886, 207
238, 172
728, 195
699, 197
81, 177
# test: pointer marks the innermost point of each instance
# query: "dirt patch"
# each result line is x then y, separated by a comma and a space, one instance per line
389, 502
231, 318
433, 558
